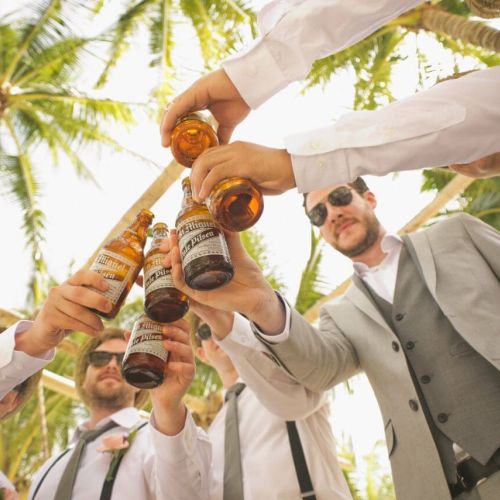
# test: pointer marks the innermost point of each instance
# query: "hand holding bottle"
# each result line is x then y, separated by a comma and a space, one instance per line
214, 92
67, 308
248, 292
268, 168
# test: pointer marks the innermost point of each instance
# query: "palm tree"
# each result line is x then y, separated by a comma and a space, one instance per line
40, 107
374, 58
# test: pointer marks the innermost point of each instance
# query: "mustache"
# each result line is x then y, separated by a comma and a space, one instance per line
337, 227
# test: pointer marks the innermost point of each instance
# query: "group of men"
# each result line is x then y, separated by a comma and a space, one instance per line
420, 318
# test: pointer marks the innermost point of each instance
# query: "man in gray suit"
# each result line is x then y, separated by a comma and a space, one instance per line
421, 319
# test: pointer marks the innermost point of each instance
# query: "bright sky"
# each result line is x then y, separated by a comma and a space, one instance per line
80, 214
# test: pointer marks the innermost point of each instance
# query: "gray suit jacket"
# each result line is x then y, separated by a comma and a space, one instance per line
460, 258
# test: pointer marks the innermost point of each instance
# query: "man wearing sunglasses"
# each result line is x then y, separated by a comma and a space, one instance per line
168, 456
273, 434
420, 319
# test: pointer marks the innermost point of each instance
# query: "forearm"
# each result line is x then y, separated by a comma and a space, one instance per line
294, 37
456, 121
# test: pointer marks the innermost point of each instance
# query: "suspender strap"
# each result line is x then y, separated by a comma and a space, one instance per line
47, 472
299, 460
107, 487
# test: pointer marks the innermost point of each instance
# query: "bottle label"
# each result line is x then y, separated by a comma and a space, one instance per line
147, 338
116, 270
156, 276
200, 236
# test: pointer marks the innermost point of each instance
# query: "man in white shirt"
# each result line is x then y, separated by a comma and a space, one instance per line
168, 458
267, 462
420, 319
455, 122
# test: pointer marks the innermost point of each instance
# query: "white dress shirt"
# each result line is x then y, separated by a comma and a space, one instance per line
155, 467
5, 483
16, 366
456, 121
267, 463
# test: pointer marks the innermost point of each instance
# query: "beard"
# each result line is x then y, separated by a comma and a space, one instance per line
372, 228
118, 397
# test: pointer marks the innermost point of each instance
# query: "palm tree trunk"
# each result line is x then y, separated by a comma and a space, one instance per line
43, 420
476, 33
154, 192
484, 8
452, 189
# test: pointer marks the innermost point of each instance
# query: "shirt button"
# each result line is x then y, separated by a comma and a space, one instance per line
410, 345
425, 379
399, 316
442, 418
395, 346
414, 405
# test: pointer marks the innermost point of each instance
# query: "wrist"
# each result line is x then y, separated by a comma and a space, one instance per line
169, 418
33, 342
269, 314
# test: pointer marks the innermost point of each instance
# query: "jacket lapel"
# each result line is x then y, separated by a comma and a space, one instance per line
425, 258
359, 295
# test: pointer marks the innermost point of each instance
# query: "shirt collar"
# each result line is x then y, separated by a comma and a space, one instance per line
389, 244
126, 417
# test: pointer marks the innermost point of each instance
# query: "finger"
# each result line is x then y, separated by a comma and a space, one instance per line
165, 245
224, 134
86, 297
127, 334
235, 246
182, 104
181, 351
65, 322
140, 280
88, 278
178, 331
201, 167
222, 170
82, 314
186, 370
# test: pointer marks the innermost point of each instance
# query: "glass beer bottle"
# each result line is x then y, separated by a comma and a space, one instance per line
204, 254
146, 357
163, 302
190, 137
235, 203
120, 260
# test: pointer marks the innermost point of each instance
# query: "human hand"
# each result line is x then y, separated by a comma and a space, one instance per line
215, 92
67, 308
486, 167
220, 322
269, 168
169, 410
8, 494
248, 292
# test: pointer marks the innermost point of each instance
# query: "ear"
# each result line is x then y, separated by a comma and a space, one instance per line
370, 198
200, 354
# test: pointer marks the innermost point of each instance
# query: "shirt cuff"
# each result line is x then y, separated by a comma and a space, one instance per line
281, 337
175, 449
257, 64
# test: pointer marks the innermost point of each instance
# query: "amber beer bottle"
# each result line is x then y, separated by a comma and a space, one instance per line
235, 203
120, 260
145, 358
204, 254
163, 302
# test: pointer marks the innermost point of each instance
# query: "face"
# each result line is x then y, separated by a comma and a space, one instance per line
351, 229
104, 385
9, 403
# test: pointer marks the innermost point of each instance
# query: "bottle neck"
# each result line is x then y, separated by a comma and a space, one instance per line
139, 229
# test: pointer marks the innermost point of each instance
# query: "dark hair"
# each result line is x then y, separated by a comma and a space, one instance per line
358, 184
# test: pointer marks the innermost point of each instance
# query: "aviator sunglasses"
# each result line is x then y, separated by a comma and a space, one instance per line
102, 358
339, 197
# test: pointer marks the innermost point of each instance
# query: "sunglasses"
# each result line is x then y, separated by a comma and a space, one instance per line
339, 197
204, 332
102, 358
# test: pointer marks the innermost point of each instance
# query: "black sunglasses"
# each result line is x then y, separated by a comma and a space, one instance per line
204, 332
102, 358
339, 197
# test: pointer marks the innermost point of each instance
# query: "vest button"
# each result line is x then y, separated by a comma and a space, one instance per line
425, 379
442, 418
410, 345
395, 346
399, 316
414, 405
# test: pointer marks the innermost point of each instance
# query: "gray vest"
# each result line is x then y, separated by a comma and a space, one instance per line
459, 390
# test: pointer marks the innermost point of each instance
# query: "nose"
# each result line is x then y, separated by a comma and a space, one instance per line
333, 213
